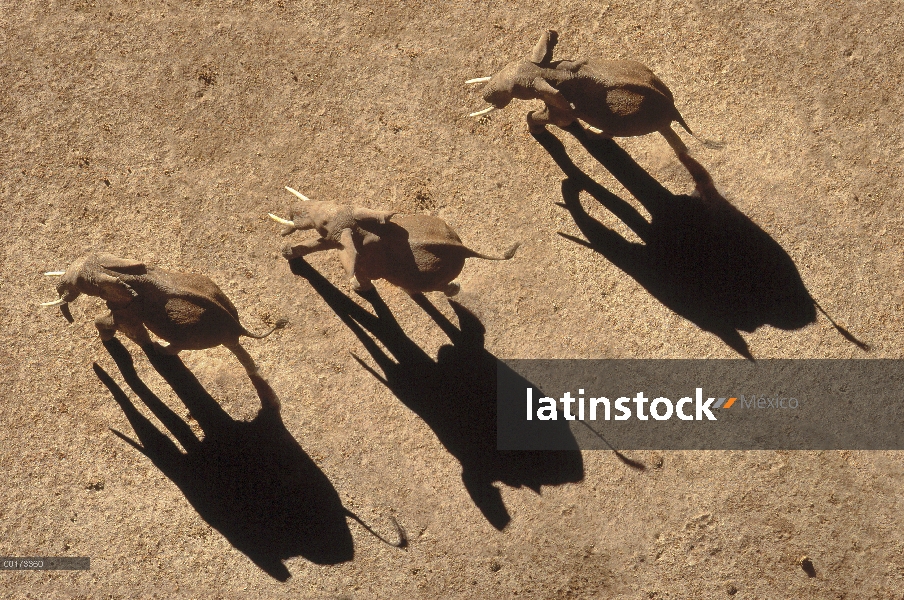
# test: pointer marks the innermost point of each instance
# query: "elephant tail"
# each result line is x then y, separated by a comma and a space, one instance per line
510, 253
713, 145
280, 323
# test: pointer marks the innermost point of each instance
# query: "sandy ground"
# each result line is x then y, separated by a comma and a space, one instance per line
166, 131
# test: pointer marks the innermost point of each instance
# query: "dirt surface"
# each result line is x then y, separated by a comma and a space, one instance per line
166, 131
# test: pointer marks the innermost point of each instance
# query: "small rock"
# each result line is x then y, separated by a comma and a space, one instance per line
807, 565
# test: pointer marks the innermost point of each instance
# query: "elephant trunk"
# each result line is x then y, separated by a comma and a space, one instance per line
65, 293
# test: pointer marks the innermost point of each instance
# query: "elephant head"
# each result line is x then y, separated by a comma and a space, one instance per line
328, 218
520, 79
97, 275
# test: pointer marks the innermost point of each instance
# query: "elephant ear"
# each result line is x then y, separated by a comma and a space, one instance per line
542, 52
122, 265
551, 96
367, 214
114, 290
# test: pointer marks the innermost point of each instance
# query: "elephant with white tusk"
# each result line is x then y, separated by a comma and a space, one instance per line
617, 98
187, 310
418, 253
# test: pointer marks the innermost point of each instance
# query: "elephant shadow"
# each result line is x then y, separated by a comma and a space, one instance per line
699, 255
251, 481
455, 395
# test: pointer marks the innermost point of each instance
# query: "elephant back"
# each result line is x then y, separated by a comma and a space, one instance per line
621, 97
419, 253
186, 308
428, 231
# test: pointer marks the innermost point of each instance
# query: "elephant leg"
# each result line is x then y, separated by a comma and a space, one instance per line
124, 321
106, 327
538, 119
361, 284
571, 65
168, 350
307, 247
348, 255
562, 118
137, 334
268, 397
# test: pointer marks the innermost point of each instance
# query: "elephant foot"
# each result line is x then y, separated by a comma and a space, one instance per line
452, 289
288, 252
361, 287
106, 326
536, 124
168, 350
106, 335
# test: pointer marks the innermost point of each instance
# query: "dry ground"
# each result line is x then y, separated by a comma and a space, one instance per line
167, 130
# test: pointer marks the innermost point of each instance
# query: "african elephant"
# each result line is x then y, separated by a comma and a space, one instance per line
186, 310
618, 98
418, 253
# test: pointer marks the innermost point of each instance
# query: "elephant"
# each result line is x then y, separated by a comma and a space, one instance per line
617, 98
187, 310
418, 253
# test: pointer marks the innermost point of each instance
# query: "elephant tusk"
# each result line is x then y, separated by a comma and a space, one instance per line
299, 194
57, 302
485, 111
478, 80
280, 220
55, 273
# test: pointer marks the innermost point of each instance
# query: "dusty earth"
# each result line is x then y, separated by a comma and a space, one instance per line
166, 131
